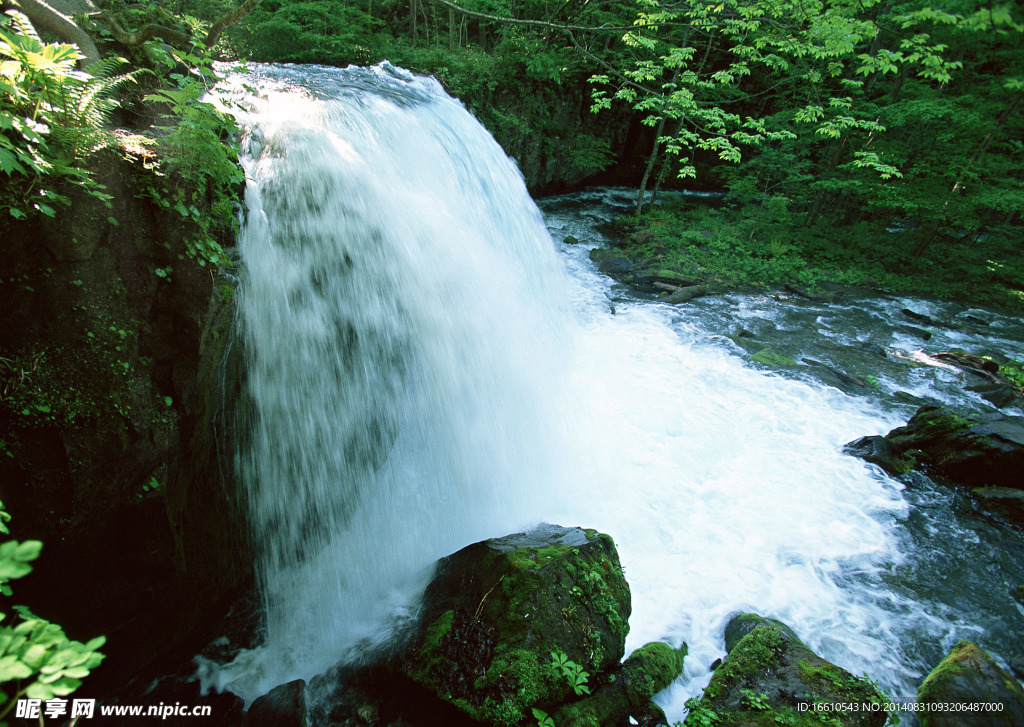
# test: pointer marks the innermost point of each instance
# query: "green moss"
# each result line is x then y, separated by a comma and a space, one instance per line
652, 668
517, 681
755, 652
839, 683
770, 358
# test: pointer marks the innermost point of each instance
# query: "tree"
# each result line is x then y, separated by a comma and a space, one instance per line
54, 16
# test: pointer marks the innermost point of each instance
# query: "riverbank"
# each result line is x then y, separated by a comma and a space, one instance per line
724, 245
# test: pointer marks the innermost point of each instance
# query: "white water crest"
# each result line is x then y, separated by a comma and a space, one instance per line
425, 372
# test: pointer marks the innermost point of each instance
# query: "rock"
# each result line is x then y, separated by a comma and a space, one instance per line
771, 359
647, 671
684, 294
984, 450
109, 424
283, 706
998, 394
571, 240
915, 332
844, 381
671, 276
969, 676
501, 615
918, 317
1005, 501
975, 451
770, 676
877, 450
614, 263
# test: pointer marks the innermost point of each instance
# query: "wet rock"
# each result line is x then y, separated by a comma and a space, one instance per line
614, 263
773, 360
915, 332
918, 317
771, 677
647, 671
283, 706
571, 240
842, 380
877, 450
1005, 501
984, 450
969, 676
974, 450
512, 623
998, 394
684, 294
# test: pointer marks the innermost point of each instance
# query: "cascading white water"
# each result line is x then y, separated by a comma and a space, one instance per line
401, 311
424, 374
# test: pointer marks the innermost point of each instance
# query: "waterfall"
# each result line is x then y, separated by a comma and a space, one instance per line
426, 371
404, 321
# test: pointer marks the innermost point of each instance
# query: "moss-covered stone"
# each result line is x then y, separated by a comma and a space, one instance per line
972, 450
647, 671
772, 359
501, 614
961, 690
770, 677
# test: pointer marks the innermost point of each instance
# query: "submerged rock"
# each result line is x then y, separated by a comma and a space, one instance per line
521, 622
968, 689
771, 677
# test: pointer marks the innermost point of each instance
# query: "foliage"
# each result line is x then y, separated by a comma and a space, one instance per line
543, 718
698, 715
197, 173
37, 660
51, 119
761, 243
571, 672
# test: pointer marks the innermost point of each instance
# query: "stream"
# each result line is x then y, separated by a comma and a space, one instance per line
430, 365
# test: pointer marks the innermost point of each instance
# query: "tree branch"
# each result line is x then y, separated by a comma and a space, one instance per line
534, 23
229, 19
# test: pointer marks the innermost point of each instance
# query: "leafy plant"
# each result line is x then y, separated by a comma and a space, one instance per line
197, 173
543, 718
698, 716
570, 671
37, 659
51, 118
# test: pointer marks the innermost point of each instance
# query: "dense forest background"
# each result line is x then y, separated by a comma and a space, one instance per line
873, 143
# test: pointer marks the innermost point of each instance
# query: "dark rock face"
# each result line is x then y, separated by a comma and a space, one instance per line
771, 677
969, 676
283, 706
520, 622
106, 371
985, 450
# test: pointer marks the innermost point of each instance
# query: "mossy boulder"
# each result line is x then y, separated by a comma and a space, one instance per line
499, 614
980, 450
974, 450
770, 677
647, 671
967, 680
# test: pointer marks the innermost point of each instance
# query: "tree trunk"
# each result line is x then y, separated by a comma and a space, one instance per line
43, 15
